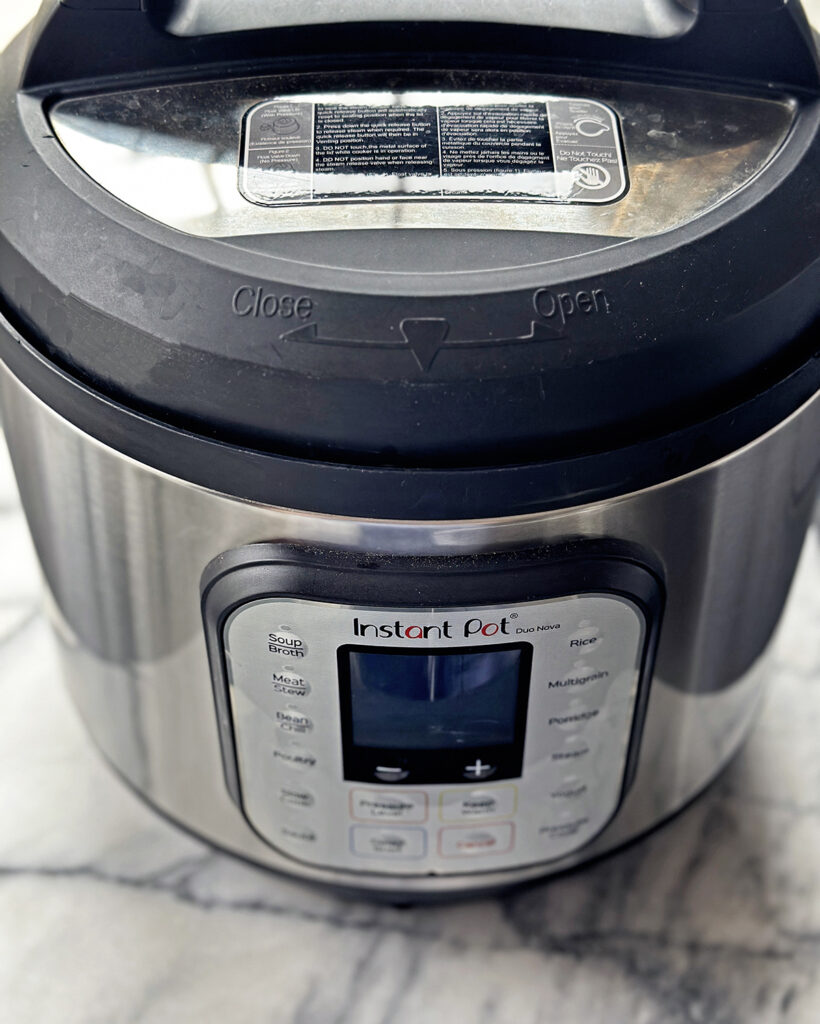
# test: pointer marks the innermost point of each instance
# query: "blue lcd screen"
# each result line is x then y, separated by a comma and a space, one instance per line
434, 701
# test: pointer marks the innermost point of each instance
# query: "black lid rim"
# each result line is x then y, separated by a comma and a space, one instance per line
387, 493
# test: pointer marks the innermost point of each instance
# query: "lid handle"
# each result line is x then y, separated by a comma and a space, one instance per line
77, 43
650, 18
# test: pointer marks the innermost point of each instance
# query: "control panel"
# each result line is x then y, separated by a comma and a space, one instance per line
442, 739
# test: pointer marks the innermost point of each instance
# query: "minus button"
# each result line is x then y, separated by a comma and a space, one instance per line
389, 773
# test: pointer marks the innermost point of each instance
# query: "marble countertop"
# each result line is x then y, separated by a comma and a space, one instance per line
109, 915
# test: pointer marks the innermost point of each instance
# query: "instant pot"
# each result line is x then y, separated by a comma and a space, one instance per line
416, 414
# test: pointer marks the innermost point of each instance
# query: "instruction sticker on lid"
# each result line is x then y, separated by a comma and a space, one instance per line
354, 147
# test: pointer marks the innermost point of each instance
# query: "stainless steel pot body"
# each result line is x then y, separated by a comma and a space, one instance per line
123, 547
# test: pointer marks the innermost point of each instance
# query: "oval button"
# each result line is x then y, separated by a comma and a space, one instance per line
293, 721
301, 798
286, 643
299, 758
290, 683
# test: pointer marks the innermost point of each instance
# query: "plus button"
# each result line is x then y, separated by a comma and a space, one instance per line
479, 770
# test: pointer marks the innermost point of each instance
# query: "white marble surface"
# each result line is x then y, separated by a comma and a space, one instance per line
109, 915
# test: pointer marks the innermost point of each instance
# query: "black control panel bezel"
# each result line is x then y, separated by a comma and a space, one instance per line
425, 766
284, 570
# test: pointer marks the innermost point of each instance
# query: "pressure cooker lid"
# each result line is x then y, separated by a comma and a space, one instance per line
399, 240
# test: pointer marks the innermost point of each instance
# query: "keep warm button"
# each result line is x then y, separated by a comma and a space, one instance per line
473, 842
492, 802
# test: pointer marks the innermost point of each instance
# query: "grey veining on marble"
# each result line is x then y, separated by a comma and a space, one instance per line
109, 915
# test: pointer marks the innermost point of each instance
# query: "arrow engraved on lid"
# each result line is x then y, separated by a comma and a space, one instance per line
426, 338
423, 337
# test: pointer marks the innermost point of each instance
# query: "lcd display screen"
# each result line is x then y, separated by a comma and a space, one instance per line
434, 701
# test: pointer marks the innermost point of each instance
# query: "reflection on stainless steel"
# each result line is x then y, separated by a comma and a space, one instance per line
123, 547
652, 18
172, 153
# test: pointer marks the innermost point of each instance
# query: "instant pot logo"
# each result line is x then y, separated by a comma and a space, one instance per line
444, 630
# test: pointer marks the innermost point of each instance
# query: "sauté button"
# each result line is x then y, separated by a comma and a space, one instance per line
400, 843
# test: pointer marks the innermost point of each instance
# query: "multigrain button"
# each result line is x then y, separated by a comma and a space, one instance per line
491, 802
285, 642
580, 678
397, 843
475, 842
293, 721
388, 805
